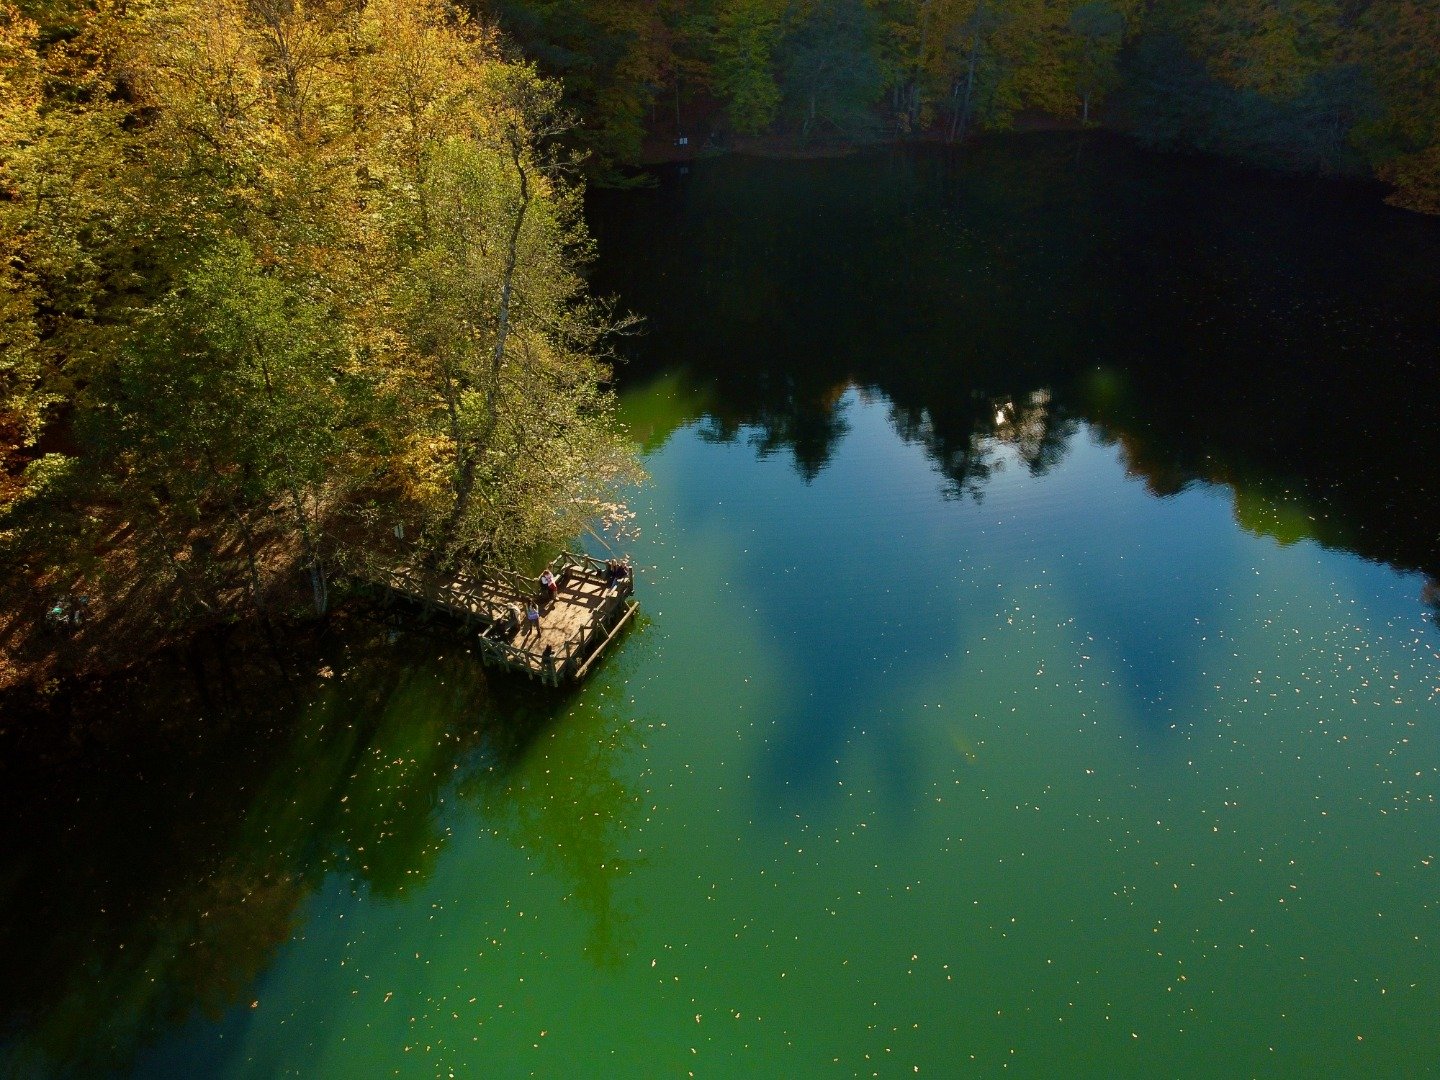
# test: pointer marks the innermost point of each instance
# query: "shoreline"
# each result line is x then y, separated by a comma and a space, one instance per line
659, 151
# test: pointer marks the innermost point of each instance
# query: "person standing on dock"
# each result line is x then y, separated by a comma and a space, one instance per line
514, 620
616, 571
532, 618
550, 586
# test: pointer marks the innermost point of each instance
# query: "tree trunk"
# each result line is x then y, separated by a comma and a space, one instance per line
247, 539
969, 89
319, 588
464, 485
918, 72
183, 575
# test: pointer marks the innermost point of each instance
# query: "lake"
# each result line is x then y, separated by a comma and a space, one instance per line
1038, 673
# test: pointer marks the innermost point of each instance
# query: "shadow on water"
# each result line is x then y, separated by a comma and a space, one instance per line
161, 842
1273, 335
1273, 338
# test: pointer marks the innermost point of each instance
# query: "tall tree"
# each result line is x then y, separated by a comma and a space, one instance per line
1098, 27
68, 194
746, 36
831, 79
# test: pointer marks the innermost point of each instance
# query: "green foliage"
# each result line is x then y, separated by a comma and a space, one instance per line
1309, 84
1098, 27
611, 59
287, 279
831, 76
1176, 103
222, 405
747, 33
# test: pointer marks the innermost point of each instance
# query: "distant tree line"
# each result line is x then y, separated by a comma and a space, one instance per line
1326, 85
285, 289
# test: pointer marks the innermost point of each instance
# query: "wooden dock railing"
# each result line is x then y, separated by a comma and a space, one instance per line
585, 562
490, 596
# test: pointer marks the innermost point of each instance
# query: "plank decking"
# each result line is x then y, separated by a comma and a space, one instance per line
586, 616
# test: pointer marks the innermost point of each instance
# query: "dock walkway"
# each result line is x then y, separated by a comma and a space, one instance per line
586, 616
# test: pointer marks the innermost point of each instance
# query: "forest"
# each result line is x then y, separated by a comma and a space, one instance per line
293, 290
1329, 86
289, 292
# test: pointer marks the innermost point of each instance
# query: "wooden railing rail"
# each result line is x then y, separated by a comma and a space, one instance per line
509, 652
522, 585
619, 623
571, 558
490, 595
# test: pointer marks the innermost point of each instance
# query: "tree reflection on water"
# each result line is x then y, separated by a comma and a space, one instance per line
154, 869
1221, 326
574, 814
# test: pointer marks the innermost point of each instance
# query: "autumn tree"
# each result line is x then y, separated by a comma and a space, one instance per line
68, 197
324, 310
613, 60
1399, 49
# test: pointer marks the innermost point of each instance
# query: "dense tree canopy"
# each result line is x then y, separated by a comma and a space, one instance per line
287, 289
1327, 85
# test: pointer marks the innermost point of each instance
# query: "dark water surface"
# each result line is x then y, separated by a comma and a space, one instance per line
1037, 679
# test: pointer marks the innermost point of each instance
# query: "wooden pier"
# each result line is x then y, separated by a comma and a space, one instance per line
586, 616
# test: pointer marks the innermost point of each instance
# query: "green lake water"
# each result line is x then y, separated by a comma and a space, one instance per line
1036, 678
